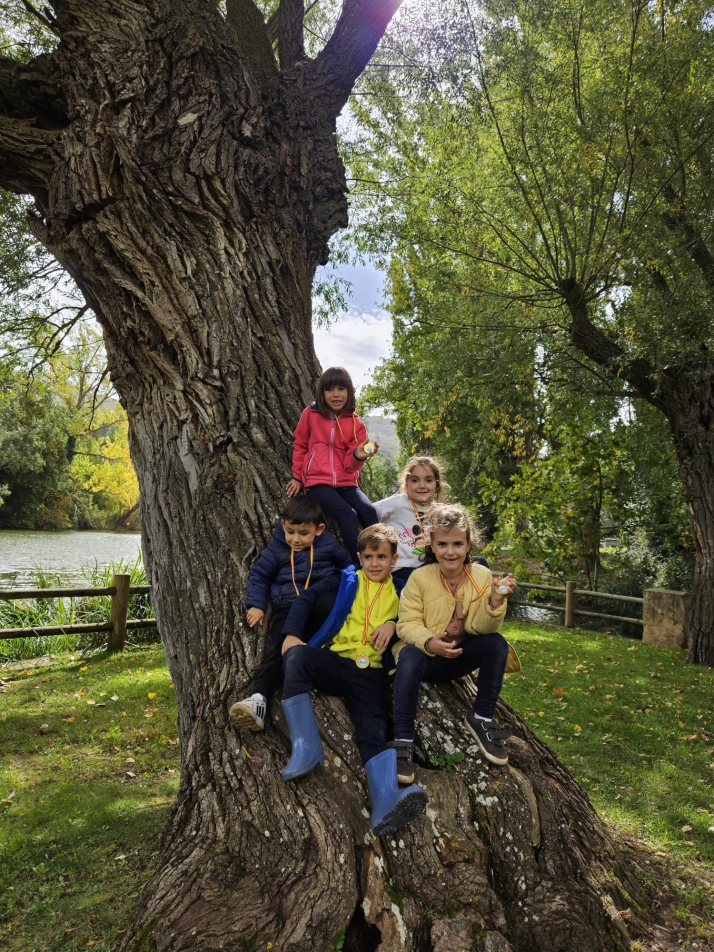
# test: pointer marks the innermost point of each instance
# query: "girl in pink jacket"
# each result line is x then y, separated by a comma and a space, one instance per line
329, 450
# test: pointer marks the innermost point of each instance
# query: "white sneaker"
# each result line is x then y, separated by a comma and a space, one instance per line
250, 713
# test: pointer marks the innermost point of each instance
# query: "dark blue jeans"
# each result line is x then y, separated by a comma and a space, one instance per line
488, 653
350, 507
270, 673
307, 668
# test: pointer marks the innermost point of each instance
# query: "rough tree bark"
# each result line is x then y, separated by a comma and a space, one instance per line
190, 186
684, 394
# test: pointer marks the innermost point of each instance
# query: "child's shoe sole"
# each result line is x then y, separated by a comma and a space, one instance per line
242, 714
408, 808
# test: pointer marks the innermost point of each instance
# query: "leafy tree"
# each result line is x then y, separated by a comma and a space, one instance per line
182, 164
34, 458
557, 168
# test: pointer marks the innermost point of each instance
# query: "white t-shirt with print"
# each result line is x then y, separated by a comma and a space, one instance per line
398, 512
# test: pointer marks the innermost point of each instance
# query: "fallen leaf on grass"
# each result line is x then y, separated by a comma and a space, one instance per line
151, 695
84, 668
129, 760
114, 698
577, 728
70, 720
120, 856
558, 692
130, 774
686, 829
91, 702
541, 713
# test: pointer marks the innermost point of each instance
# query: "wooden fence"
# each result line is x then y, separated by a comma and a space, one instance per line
570, 609
120, 591
117, 627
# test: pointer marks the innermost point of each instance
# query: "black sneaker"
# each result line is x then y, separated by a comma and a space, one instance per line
489, 736
405, 760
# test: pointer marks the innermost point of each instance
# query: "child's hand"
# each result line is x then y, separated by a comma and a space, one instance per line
382, 635
361, 453
290, 642
498, 598
293, 488
443, 646
255, 616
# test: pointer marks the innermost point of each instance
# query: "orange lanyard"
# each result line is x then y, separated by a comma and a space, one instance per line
416, 514
292, 570
480, 592
354, 428
365, 630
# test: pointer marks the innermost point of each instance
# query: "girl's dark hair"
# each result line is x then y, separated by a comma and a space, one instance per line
335, 377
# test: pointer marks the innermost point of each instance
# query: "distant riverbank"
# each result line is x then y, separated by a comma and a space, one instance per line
63, 553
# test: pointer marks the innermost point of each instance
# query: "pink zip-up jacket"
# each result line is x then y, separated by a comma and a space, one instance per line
324, 448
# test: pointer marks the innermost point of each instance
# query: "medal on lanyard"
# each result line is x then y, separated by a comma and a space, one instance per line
362, 660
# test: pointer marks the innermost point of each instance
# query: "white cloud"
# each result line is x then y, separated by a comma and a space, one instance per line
357, 341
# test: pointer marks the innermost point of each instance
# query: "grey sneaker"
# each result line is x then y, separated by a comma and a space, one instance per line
405, 760
250, 713
489, 736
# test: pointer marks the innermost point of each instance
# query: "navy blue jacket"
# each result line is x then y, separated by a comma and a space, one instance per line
271, 577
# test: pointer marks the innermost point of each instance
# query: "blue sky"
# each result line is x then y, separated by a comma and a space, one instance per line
362, 334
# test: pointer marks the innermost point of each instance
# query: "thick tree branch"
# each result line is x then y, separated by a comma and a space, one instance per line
677, 221
291, 46
32, 91
25, 156
251, 36
361, 26
595, 344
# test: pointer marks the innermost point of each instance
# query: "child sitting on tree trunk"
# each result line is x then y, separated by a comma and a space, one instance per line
301, 554
329, 450
449, 618
344, 659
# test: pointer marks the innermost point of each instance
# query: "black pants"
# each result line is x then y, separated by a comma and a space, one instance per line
320, 669
488, 653
270, 673
350, 507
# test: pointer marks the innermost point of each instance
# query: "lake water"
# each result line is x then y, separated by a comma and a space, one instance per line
61, 553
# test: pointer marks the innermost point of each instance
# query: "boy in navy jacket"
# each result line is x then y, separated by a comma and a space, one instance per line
301, 554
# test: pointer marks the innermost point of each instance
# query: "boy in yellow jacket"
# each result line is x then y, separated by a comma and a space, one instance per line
449, 618
344, 659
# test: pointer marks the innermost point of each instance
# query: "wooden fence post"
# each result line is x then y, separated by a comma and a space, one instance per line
120, 608
569, 605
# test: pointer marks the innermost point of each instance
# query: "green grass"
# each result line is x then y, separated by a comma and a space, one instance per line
79, 834
85, 791
632, 721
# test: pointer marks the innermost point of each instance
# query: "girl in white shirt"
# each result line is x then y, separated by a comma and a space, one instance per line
421, 485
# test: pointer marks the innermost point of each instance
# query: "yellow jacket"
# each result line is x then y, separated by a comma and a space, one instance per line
426, 607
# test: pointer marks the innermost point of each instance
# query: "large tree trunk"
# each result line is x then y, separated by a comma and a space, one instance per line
191, 194
685, 396
690, 413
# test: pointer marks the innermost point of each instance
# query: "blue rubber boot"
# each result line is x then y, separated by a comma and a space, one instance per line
391, 807
307, 749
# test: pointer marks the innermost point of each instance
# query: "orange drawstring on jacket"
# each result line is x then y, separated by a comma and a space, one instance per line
292, 570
